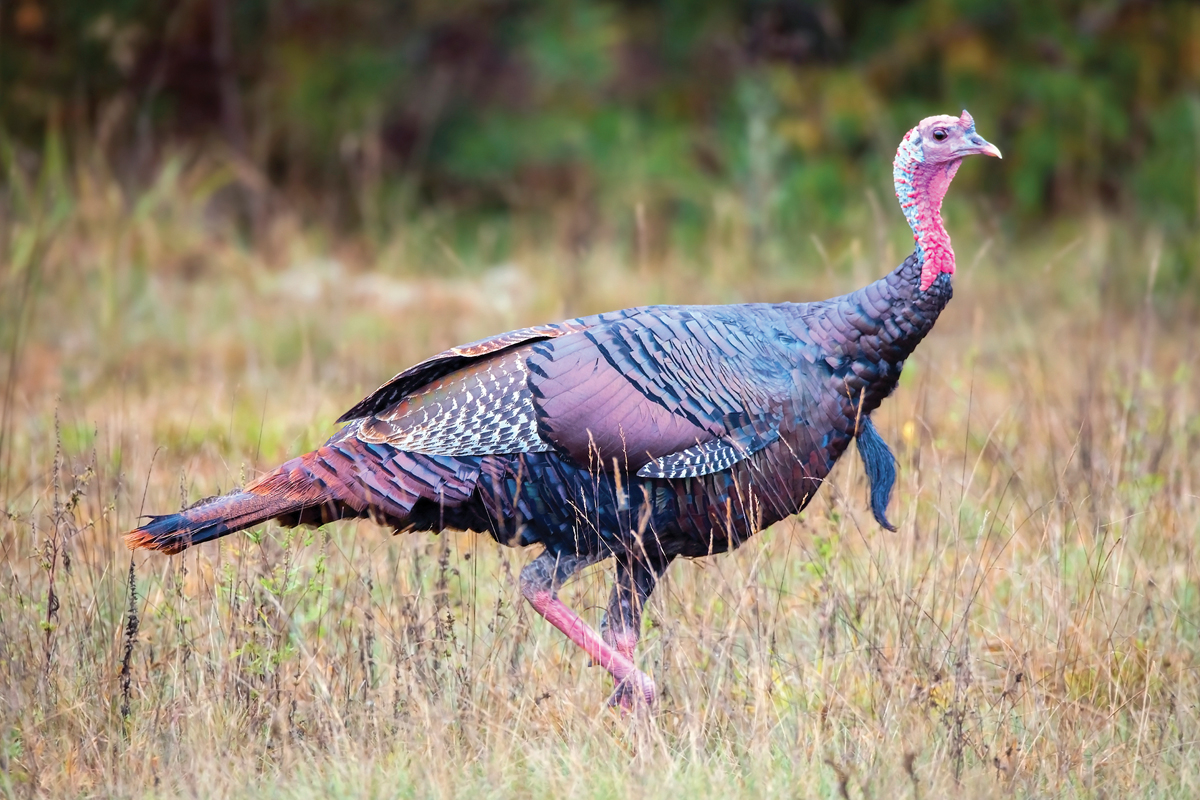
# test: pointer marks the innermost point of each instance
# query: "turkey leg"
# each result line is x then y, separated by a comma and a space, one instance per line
622, 624
540, 582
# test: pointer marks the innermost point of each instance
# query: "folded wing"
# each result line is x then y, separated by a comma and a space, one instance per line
664, 392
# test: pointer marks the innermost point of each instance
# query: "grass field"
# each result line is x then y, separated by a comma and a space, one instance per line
1030, 631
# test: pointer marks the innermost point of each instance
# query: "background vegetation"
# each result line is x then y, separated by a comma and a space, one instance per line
360, 112
222, 223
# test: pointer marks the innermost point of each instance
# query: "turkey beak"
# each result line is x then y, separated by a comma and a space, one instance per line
980, 146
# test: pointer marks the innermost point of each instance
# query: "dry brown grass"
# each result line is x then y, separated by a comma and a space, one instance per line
1031, 630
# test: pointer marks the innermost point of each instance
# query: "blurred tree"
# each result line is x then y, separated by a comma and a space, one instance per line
515, 103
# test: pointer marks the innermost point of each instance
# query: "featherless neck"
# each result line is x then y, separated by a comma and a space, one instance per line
920, 187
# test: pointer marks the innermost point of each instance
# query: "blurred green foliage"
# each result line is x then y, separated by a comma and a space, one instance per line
365, 107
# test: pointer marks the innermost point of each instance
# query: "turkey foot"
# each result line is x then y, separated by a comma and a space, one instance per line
635, 692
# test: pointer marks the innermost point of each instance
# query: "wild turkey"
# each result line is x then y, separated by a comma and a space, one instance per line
641, 435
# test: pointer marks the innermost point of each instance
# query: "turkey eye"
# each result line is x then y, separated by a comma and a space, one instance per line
939, 134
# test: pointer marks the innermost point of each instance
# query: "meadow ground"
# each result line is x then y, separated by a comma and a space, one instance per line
1030, 631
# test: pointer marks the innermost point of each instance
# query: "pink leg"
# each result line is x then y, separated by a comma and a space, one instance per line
622, 625
625, 643
626, 695
540, 581
619, 664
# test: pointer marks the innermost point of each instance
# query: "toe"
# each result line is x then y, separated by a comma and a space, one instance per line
636, 690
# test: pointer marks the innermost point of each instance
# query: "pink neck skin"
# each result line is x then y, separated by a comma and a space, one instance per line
920, 188
930, 184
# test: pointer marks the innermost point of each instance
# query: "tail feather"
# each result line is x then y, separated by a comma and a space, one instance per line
341, 479
291, 494
210, 519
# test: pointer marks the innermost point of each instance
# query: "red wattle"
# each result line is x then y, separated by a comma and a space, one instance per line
930, 183
921, 188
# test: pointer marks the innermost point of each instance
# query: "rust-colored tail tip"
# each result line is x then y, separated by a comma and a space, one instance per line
207, 520
142, 539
